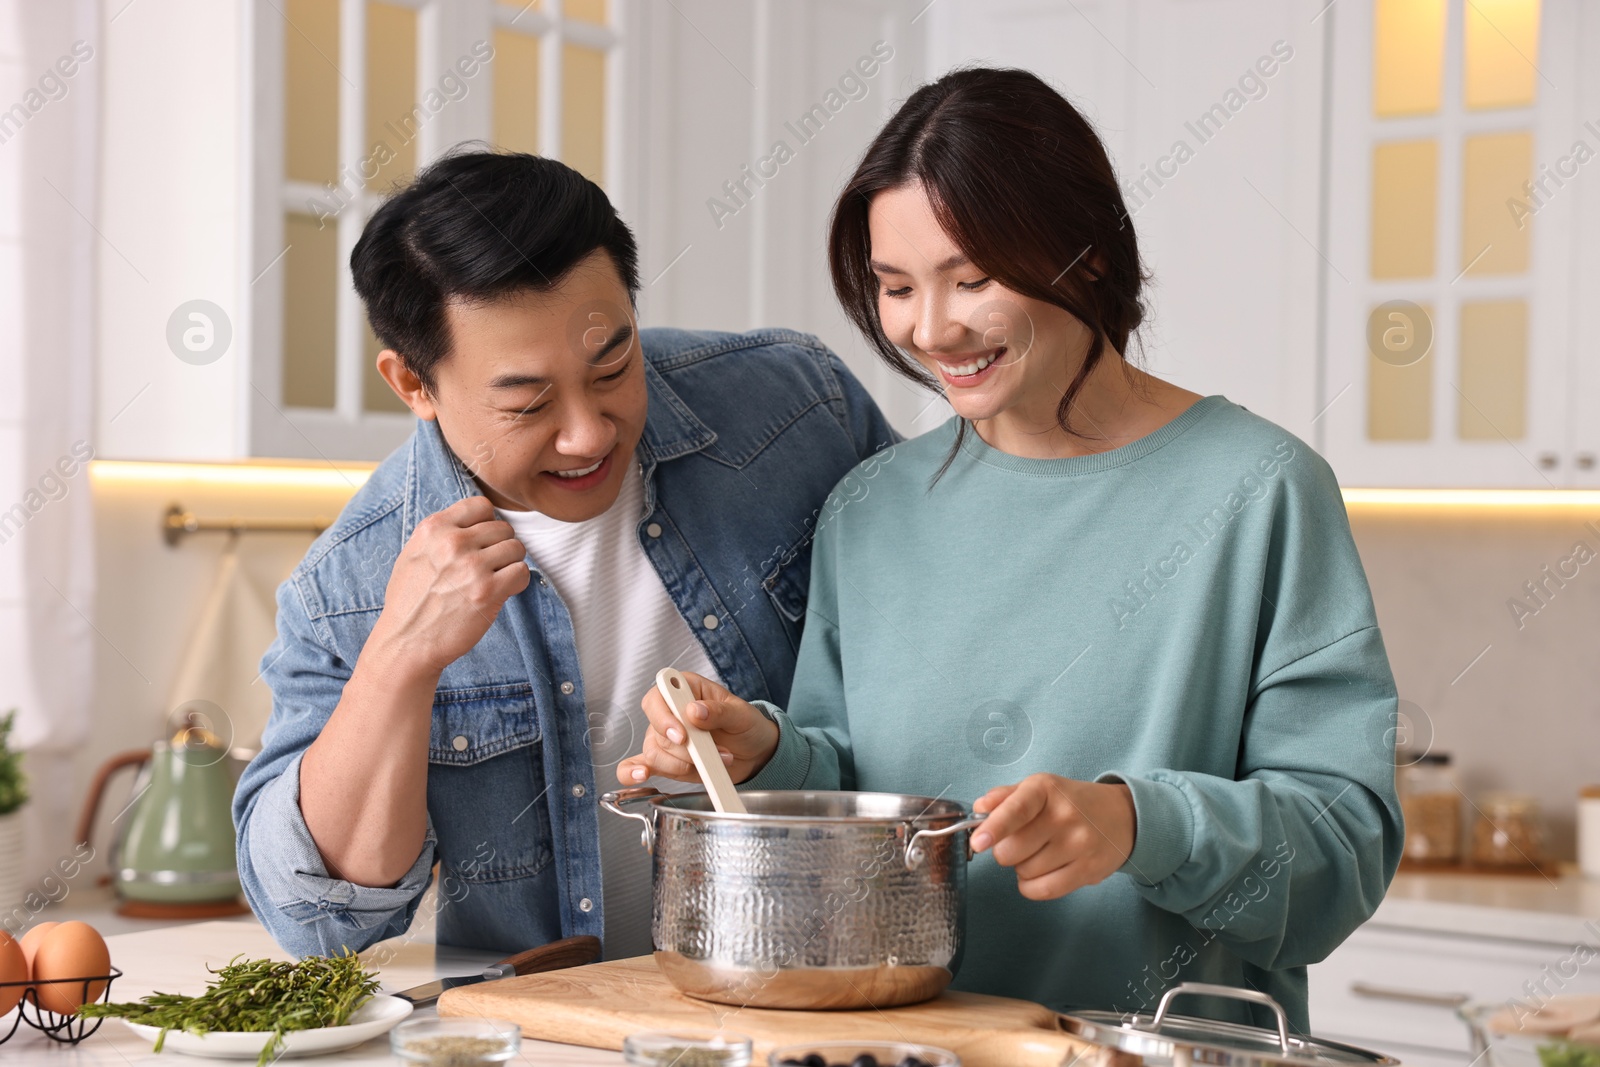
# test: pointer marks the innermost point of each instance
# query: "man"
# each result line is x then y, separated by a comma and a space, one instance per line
580, 505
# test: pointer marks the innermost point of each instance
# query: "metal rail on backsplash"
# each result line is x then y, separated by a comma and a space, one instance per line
177, 523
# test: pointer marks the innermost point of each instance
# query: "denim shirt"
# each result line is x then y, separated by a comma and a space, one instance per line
744, 437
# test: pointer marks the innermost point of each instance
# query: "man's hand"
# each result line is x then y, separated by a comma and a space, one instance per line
745, 738
1059, 834
448, 585
366, 805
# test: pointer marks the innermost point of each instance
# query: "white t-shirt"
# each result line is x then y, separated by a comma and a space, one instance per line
627, 629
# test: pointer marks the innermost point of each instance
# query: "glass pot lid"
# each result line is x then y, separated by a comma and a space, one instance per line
1164, 1038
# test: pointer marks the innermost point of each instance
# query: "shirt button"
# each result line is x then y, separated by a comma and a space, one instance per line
542, 581
567, 688
578, 790
460, 744
585, 904
654, 529
711, 622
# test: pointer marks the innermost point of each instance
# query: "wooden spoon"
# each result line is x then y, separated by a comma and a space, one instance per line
674, 688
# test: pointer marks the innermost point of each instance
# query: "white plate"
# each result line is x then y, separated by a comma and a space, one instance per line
377, 1016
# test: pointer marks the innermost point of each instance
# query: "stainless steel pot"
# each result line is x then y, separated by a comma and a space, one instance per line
810, 900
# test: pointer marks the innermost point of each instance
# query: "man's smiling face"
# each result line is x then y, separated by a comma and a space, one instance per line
542, 395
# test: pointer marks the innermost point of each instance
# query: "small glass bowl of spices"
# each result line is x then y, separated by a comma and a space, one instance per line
862, 1054
455, 1042
657, 1049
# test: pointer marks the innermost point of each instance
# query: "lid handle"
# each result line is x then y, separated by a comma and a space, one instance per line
1207, 989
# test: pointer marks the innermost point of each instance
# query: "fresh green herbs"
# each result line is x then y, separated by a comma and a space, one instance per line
13, 785
258, 996
1567, 1054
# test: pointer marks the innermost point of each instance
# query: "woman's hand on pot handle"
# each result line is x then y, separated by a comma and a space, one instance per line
745, 738
1059, 834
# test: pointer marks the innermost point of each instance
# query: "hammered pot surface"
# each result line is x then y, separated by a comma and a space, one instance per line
809, 903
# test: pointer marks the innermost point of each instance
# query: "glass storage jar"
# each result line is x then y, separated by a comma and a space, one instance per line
1432, 806
1509, 831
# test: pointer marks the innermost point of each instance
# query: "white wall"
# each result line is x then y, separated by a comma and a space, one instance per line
146, 610
1525, 717
173, 215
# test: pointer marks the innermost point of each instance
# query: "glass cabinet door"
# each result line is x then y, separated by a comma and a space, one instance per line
366, 92
1449, 316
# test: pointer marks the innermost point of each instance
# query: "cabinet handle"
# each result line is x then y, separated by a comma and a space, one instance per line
1548, 460
1410, 996
1585, 461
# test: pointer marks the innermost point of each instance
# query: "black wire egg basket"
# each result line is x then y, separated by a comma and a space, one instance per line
67, 1029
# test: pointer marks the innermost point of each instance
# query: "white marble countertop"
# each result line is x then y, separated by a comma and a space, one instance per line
1564, 909
174, 960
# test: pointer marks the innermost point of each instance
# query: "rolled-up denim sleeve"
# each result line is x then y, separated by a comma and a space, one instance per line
283, 874
308, 912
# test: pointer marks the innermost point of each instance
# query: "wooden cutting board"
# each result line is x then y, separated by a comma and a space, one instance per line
599, 1005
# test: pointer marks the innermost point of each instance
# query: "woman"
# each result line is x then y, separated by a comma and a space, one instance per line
1126, 620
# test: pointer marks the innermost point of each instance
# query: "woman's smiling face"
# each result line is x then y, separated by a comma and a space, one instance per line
992, 350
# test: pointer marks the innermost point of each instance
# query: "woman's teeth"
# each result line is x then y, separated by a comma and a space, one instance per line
967, 370
580, 473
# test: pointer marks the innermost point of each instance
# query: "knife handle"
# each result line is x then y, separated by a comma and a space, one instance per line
557, 955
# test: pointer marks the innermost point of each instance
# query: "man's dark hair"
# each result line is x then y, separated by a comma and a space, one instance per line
478, 226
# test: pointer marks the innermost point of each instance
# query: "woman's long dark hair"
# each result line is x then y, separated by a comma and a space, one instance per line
1021, 183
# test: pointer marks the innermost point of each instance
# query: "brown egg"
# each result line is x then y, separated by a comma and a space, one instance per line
13, 968
31, 939
71, 950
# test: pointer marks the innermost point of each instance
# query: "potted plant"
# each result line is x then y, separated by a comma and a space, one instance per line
13, 794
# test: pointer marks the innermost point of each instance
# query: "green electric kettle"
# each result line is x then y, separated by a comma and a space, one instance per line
174, 855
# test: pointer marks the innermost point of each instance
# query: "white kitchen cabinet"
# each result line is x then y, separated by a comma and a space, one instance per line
1582, 455
1426, 206
1347, 990
1228, 222
1261, 238
1383, 958
172, 198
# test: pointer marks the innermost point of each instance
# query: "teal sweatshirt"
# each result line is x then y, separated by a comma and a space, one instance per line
1186, 614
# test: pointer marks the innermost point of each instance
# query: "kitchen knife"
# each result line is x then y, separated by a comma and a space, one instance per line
568, 952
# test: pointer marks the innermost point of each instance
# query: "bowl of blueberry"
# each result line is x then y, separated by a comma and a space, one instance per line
862, 1054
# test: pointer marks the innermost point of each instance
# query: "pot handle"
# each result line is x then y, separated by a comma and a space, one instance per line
1207, 989
915, 853
613, 802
